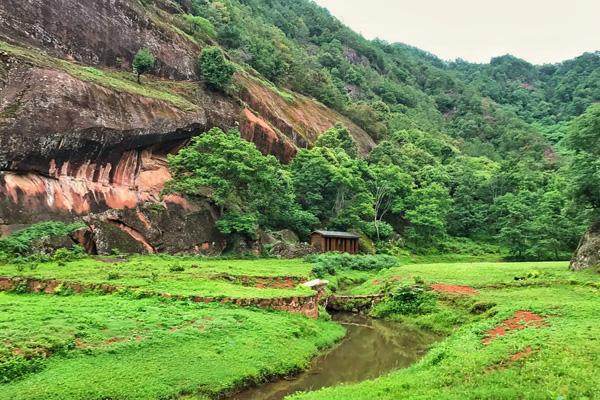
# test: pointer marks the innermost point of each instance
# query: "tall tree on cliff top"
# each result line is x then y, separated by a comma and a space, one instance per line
143, 62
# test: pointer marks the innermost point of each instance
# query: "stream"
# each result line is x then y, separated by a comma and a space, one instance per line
370, 349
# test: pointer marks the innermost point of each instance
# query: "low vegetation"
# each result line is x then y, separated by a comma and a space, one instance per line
83, 347
518, 330
20, 243
118, 81
174, 275
513, 328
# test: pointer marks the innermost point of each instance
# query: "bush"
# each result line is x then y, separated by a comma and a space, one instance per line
143, 62
406, 300
201, 25
66, 255
113, 276
19, 243
320, 270
327, 264
176, 268
214, 69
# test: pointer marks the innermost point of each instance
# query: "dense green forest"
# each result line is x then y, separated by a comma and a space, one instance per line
467, 155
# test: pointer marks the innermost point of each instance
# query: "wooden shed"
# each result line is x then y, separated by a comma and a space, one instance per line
344, 242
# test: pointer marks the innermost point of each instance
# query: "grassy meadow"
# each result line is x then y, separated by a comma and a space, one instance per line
114, 347
120, 346
175, 275
557, 358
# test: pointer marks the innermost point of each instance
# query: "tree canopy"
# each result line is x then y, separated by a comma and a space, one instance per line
143, 62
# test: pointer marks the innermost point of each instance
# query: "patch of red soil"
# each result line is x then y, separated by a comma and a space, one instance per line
453, 289
521, 320
115, 340
521, 354
528, 351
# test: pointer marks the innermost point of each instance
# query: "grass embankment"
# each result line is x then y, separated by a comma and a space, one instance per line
491, 352
177, 276
477, 275
169, 91
114, 347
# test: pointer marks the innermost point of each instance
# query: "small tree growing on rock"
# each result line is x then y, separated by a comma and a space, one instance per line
214, 69
143, 62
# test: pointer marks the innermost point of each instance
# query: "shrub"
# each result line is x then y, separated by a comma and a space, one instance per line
66, 255
143, 62
214, 69
19, 243
113, 276
201, 25
406, 300
176, 268
320, 270
330, 262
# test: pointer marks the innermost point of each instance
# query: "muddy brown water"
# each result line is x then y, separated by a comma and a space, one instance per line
370, 349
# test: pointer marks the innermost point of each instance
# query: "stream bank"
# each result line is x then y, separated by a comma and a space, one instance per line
370, 349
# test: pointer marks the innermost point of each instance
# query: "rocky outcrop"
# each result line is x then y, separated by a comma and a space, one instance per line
101, 32
174, 226
71, 147
82, 142
587, 254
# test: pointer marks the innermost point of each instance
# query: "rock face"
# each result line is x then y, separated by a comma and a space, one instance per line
100, 32
75, 144
587, 254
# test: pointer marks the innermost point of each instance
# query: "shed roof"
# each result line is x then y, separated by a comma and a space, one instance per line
335, 234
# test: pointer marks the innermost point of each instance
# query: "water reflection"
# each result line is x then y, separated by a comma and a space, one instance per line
371, 348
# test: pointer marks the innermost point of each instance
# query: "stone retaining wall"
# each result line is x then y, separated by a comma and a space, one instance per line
354, 304
307, 305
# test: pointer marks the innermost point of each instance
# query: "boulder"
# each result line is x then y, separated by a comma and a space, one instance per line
587, 254
175, 226
292, 250
48, 245
287, 236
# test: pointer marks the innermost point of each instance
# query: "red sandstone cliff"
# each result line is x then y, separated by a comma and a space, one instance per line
76, 140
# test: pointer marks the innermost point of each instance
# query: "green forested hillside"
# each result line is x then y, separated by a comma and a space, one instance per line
547, 95
471, 148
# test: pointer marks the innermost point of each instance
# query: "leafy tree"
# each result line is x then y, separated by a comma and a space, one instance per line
390, 187
214, 68
584, 140
143, 62
250, 189
329, 184
427, 211
338, 137
515, 213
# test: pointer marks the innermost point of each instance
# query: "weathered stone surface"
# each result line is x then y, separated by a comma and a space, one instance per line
71, 148
587, 254
74, 147
287, 235
48, 245
292, 250
174, 226
99, 32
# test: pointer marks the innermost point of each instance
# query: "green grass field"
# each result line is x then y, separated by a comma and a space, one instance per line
113, 347
174, 275
477, 275
120, 346
559, 360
